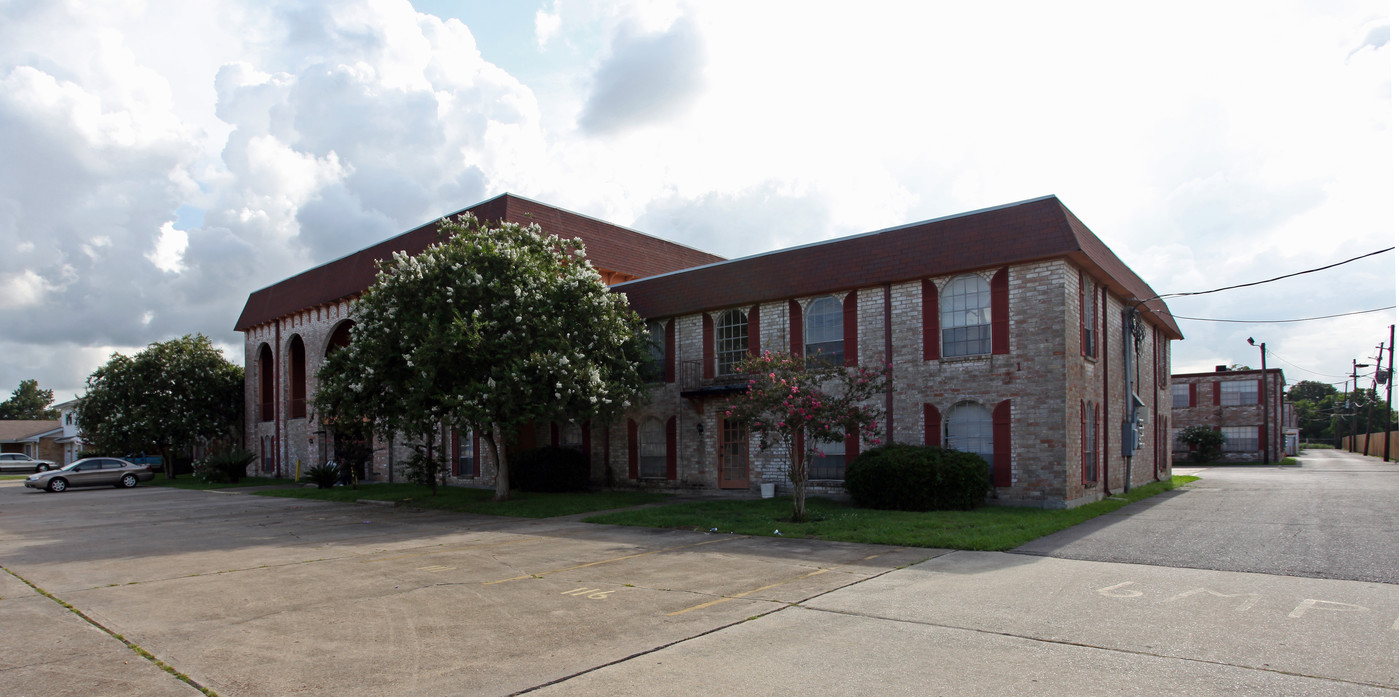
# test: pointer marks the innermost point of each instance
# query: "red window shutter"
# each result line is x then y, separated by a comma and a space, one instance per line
1083, 438
588, 441
1192, 394
1260, 391
796, 345
1262, 438
633, 451
670, 351
1000, 444
852, 447
1082, 321
1000, 314
932, 425
554, 435
672, 451
852, 328
1216, 393
931, 349
708, 339
755, 333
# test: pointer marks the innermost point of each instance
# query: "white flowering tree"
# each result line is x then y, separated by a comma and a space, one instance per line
167, 397
489, 328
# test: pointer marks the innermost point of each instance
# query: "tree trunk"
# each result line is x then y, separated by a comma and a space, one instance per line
430, 461
798, 477
502, 466
166, 463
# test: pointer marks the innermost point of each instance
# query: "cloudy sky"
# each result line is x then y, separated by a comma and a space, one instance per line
160, 160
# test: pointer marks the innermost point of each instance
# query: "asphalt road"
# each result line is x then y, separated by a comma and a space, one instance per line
251, 595
1334, 516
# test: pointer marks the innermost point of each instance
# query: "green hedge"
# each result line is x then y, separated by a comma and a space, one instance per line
917, 478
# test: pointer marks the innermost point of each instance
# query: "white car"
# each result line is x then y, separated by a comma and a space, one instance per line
19, 462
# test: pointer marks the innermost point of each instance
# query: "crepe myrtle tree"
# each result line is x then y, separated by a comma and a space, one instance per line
796, 404
488, 328
169, 396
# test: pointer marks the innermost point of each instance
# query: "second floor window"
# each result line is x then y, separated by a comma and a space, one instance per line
825, 330
1180, 396
966, 317
730, 340
1238, 393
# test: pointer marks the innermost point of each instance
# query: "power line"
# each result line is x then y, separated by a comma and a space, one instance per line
1270, 280
1281, 321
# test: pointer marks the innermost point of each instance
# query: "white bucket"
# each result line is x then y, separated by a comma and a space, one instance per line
768, 490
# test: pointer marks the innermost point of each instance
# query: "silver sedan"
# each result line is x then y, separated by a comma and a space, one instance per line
91, 471
19, 462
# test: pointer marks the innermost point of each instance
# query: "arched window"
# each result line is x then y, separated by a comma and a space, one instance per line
825, 330
651, 450
297, 351
966, 317
340, 338
969, 429
731, 340
266, 394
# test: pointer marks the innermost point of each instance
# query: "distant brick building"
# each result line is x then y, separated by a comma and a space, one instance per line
1012, 332
1232, 402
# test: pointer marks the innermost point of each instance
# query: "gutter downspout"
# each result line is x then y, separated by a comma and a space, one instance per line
889, 363
1107, 440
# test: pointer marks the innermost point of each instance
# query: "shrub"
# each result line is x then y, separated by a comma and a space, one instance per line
917, 478
324, 476
229, 465
549, 468
1208, 443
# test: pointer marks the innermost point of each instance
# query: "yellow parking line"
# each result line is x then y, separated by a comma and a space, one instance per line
604, 561
727, 598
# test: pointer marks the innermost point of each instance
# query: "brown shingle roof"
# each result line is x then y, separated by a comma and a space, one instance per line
1036, 229
17, 430
610, 247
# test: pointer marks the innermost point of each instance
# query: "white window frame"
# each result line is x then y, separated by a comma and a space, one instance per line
651, 449
965, 308
1180, 395
730, 340
1238, 393
824, 336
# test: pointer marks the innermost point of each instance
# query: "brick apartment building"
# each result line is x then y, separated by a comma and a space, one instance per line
1013, 332
1232, 402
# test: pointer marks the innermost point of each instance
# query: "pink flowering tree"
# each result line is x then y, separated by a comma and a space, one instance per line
797, 404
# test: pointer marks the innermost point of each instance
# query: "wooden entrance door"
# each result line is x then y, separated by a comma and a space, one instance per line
733, 455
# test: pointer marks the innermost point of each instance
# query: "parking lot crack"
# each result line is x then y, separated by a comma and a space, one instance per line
109, 632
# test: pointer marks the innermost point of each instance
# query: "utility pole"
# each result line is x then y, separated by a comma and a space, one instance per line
1267, 406
1388, 394
1370, 413
1355, 387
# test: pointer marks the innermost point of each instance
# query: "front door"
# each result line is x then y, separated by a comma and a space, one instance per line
733, 455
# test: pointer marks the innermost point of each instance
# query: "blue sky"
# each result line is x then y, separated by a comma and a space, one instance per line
160, 160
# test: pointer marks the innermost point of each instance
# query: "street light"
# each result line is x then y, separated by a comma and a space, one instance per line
1355, 387
1263, 351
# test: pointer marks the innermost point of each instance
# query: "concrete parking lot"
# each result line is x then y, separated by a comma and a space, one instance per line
252, 595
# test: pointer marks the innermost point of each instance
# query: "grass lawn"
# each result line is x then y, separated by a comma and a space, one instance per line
464, 500
4, 477
189, 481
991, 528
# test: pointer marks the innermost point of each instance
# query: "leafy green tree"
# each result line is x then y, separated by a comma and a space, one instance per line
28, 402
796, 404
489, 328
1208, 443
1310, 391
166, 398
